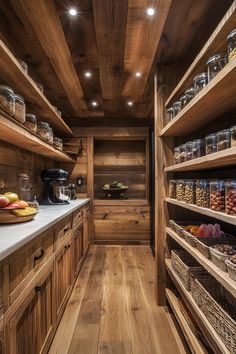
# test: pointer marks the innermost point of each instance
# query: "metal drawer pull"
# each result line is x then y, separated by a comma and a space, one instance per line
36, 258
66, 229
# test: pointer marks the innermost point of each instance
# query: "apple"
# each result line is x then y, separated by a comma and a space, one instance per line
4, 201
13, 197
22, 203
15, 205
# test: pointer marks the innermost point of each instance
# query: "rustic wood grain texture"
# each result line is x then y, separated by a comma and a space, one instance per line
114, 307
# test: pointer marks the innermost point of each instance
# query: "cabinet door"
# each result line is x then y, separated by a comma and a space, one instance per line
77, 248
63, 275
86, 233
31, 325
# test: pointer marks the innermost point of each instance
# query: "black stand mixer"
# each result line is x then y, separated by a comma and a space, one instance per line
55, 191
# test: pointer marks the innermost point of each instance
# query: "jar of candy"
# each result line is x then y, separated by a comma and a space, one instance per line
215, 64
211, 143
217, 195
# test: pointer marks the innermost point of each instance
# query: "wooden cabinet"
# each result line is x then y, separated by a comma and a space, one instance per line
63, 229
77, 248
63, 275
86, 230
32, 323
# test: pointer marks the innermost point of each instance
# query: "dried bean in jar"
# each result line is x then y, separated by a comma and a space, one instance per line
172, 189
211, 144
189, 196
230, 190
223, 139
217, 195
180, 190
203, 194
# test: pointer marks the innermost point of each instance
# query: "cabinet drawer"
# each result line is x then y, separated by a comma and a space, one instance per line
62, 230
27, 261
77, 217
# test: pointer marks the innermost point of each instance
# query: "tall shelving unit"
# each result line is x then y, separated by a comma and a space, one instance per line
201, 116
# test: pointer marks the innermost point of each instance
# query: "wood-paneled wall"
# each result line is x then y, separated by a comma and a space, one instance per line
14, 161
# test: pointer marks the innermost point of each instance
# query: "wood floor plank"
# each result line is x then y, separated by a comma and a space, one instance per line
117, 312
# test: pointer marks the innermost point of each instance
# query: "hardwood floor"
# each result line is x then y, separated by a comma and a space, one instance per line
112, 309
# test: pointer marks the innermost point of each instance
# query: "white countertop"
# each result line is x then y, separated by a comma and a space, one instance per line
14, 236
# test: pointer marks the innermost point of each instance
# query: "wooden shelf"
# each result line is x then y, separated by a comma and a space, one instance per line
204, 211
119, 202
216, 98
14, 134
216, 44
212, 337
187, 329
221, 276
13, 74
218, 159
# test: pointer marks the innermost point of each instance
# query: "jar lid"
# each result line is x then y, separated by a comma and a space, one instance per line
217, 57
200, 76
232, 34
7, 88
19, 97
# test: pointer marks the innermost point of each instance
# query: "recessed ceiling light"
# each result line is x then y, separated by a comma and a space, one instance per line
94, 103
130, 103
150, 11
73, 12
88, 74
138, 74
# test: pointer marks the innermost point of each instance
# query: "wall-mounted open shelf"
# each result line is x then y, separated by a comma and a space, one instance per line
17, 135
14, 76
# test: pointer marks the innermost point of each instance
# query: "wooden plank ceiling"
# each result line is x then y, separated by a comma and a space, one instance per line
112, 39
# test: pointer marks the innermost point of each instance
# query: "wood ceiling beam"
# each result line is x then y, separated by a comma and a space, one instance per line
142, 40
110, 17
46, 24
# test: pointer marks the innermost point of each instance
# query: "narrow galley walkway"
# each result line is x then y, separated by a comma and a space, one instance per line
112, 308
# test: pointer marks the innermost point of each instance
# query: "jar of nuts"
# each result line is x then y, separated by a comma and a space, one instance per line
199, 148
176, 107
202, 193
223, 139
189, 150
19, 109
211, 143
172, 189
7, 100
180, 190
233, 136
217, 195
31, 122
190, 194
182, 153
176, 155
169, 114
230, 191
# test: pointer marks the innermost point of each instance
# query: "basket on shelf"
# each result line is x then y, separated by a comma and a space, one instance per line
231, 269
219, 258
189, 238
218, 306
184, 265
203, 244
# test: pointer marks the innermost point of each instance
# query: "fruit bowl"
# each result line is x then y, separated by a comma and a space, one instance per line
7, 217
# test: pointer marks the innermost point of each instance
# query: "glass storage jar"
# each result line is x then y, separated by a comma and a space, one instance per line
215, 64
23, 65
203, 193
43, 130
189, 150
233, 136
230, 200
198, 148
50, 135
172, 188
180, 190
182, 153
200, 81
223, 139
40, 87
169, 114
211, 143
176, 107
58, 143
231, 39
19, 109
190, 93
217, 195
176, 155
189, 194
184, 101
7, 100
31, 122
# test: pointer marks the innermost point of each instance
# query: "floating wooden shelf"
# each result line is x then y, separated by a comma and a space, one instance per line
216, 98
218, 159
221, 276
14, 134
215, 44
14, 76
204, 211
212, 337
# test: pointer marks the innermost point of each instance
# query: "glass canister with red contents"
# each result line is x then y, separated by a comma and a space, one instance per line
230, 191
217, 195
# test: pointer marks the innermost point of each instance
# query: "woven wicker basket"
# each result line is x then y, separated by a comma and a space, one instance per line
231, 269
218, 258
184, 265
218, 306
189, 238
203, 244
